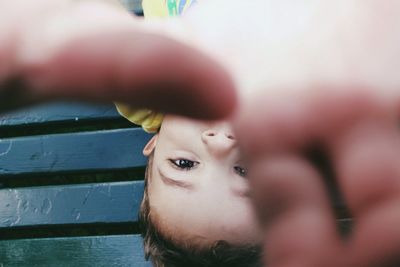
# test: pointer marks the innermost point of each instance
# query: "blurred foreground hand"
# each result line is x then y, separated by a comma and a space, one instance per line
95, 50
315, 76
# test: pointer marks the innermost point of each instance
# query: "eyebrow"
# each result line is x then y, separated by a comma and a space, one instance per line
172, 182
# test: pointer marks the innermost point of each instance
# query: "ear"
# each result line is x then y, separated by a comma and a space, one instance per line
149, 148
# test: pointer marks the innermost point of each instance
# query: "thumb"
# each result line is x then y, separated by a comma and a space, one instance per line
122, 60
138, 69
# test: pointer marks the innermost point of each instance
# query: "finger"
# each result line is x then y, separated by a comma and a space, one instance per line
97, 51
288, 123
14, 17
295, 119
376, 238
271, 123
293, 122
292, 203
367, 163
367, 159
139, 69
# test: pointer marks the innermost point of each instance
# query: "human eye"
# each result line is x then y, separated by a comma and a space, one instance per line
240, 171
183, 164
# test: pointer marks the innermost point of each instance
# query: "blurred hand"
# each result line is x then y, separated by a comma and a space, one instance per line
312, 76
95, 50
286, 46
359, 134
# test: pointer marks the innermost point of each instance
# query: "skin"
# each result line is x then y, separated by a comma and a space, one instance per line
95, 50
341, 91
362, 142
198, 188
325, 75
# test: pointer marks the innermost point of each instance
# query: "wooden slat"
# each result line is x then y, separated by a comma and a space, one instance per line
74, 204
96, 251
58, 112
87, 151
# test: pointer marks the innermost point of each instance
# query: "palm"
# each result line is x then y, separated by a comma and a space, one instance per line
311, 74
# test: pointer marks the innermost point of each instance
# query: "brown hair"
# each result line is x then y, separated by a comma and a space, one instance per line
163, 252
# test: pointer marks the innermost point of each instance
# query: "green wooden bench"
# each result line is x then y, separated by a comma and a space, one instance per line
71, 182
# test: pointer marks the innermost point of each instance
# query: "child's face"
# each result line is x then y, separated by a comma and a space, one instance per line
198, 187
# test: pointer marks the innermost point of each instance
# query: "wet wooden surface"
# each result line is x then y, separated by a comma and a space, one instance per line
82, 151
98, 251
63, 112
70, 204
52, 211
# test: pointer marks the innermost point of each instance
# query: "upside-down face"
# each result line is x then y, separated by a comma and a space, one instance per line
198, 188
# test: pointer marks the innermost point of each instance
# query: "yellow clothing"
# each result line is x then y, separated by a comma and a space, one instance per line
148, 119
154, 8
164, 8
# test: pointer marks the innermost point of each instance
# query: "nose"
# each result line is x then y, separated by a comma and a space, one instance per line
218, 141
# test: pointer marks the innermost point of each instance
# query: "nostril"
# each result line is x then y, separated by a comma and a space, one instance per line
210, 133
230, 136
